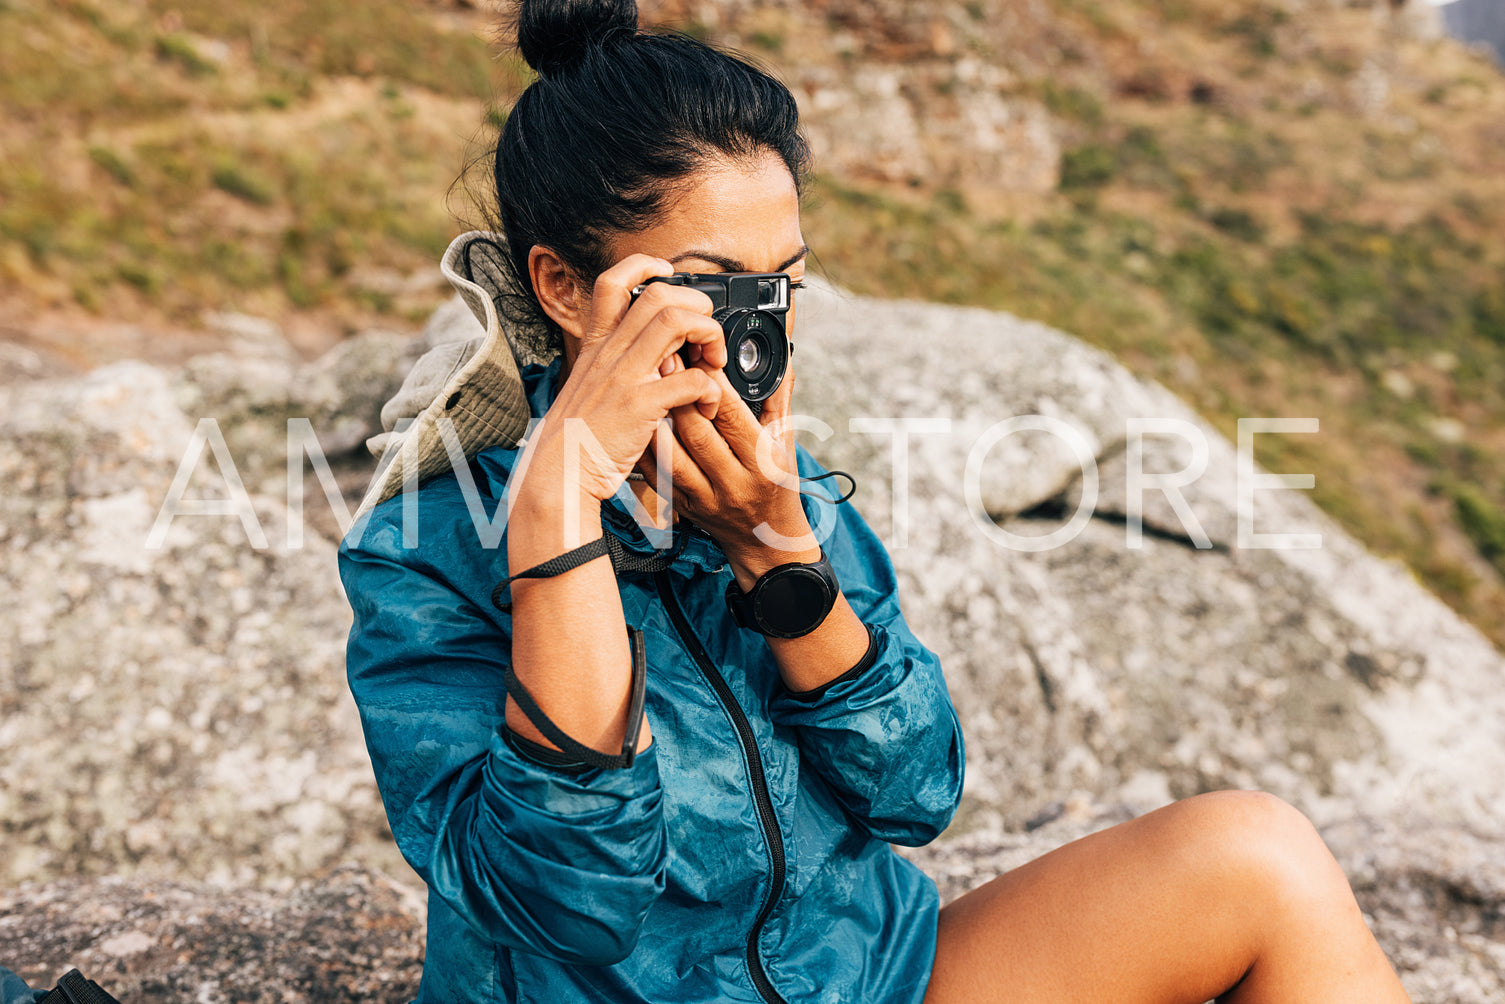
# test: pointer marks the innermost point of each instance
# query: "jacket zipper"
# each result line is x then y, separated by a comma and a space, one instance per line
761, 797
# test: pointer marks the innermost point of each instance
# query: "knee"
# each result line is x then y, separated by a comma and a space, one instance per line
1253, 815
1263, 847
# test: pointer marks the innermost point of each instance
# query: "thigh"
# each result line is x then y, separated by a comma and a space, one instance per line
1164, 908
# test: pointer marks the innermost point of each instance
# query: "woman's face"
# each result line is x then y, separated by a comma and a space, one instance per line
732, 216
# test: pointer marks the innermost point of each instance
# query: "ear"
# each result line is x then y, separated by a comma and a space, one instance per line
559, 292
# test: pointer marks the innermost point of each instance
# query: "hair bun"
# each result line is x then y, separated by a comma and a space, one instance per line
553, 34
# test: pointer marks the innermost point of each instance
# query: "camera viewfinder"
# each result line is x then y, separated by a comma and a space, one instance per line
773, 294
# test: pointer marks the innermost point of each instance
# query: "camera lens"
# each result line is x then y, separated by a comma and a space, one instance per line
754, 356
749, 355
757, 351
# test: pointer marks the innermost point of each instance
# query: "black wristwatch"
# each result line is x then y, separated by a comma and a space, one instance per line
786, 602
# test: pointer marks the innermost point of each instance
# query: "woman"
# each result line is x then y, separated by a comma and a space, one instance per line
617, 791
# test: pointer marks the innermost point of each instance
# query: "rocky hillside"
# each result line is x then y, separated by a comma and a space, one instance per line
1286, 209
175, 731
1274, 207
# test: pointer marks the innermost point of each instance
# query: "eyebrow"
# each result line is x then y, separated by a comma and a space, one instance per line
732, 264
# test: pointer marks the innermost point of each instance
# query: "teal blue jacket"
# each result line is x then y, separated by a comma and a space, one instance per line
742, 857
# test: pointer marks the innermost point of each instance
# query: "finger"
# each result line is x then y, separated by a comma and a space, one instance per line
672, 364
691, 482
701, 437
648, 466
678, 325
612, 293
666, 332
736, 425
684, 474
777, 407
765, 443
683, 388
627, 324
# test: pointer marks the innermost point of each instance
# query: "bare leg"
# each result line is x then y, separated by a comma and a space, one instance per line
1231, 895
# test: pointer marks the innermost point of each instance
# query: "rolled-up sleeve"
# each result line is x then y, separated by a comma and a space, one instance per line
558, 862
887, 740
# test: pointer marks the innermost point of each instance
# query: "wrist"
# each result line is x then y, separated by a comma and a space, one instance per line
548, 472
752, 562
543, 524
779, 540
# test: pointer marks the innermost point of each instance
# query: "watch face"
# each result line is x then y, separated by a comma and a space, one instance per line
794, 601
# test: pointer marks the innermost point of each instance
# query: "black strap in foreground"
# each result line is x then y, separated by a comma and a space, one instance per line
581, 752
824, 498
74, 989
622, 560
554, 566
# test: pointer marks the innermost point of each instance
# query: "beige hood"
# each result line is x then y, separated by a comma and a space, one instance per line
460, 397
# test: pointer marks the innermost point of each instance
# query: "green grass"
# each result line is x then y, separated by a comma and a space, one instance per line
217, 167
1256, 27
1483, 520
379, 39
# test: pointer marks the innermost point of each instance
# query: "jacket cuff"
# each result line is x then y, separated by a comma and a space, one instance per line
863, 665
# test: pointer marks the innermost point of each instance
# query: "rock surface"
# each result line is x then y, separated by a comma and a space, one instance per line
178, 716
352, 936
1324, 674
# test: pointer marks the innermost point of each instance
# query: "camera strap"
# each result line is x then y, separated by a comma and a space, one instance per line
840, 499
622, 560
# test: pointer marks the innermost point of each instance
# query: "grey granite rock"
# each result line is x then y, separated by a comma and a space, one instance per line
1324, 675
175, 711
351, 936
253, 395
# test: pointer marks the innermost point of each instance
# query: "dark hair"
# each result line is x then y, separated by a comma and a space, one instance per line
595, 146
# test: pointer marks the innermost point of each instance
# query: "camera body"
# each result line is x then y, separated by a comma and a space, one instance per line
750, 306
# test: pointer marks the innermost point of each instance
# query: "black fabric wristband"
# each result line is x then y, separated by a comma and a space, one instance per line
554, 566
863, 665
544, 756
576, 751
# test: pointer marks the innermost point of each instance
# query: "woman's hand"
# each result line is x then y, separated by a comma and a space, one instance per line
734, 475
623, 383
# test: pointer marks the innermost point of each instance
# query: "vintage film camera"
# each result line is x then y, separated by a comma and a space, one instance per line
750, 307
